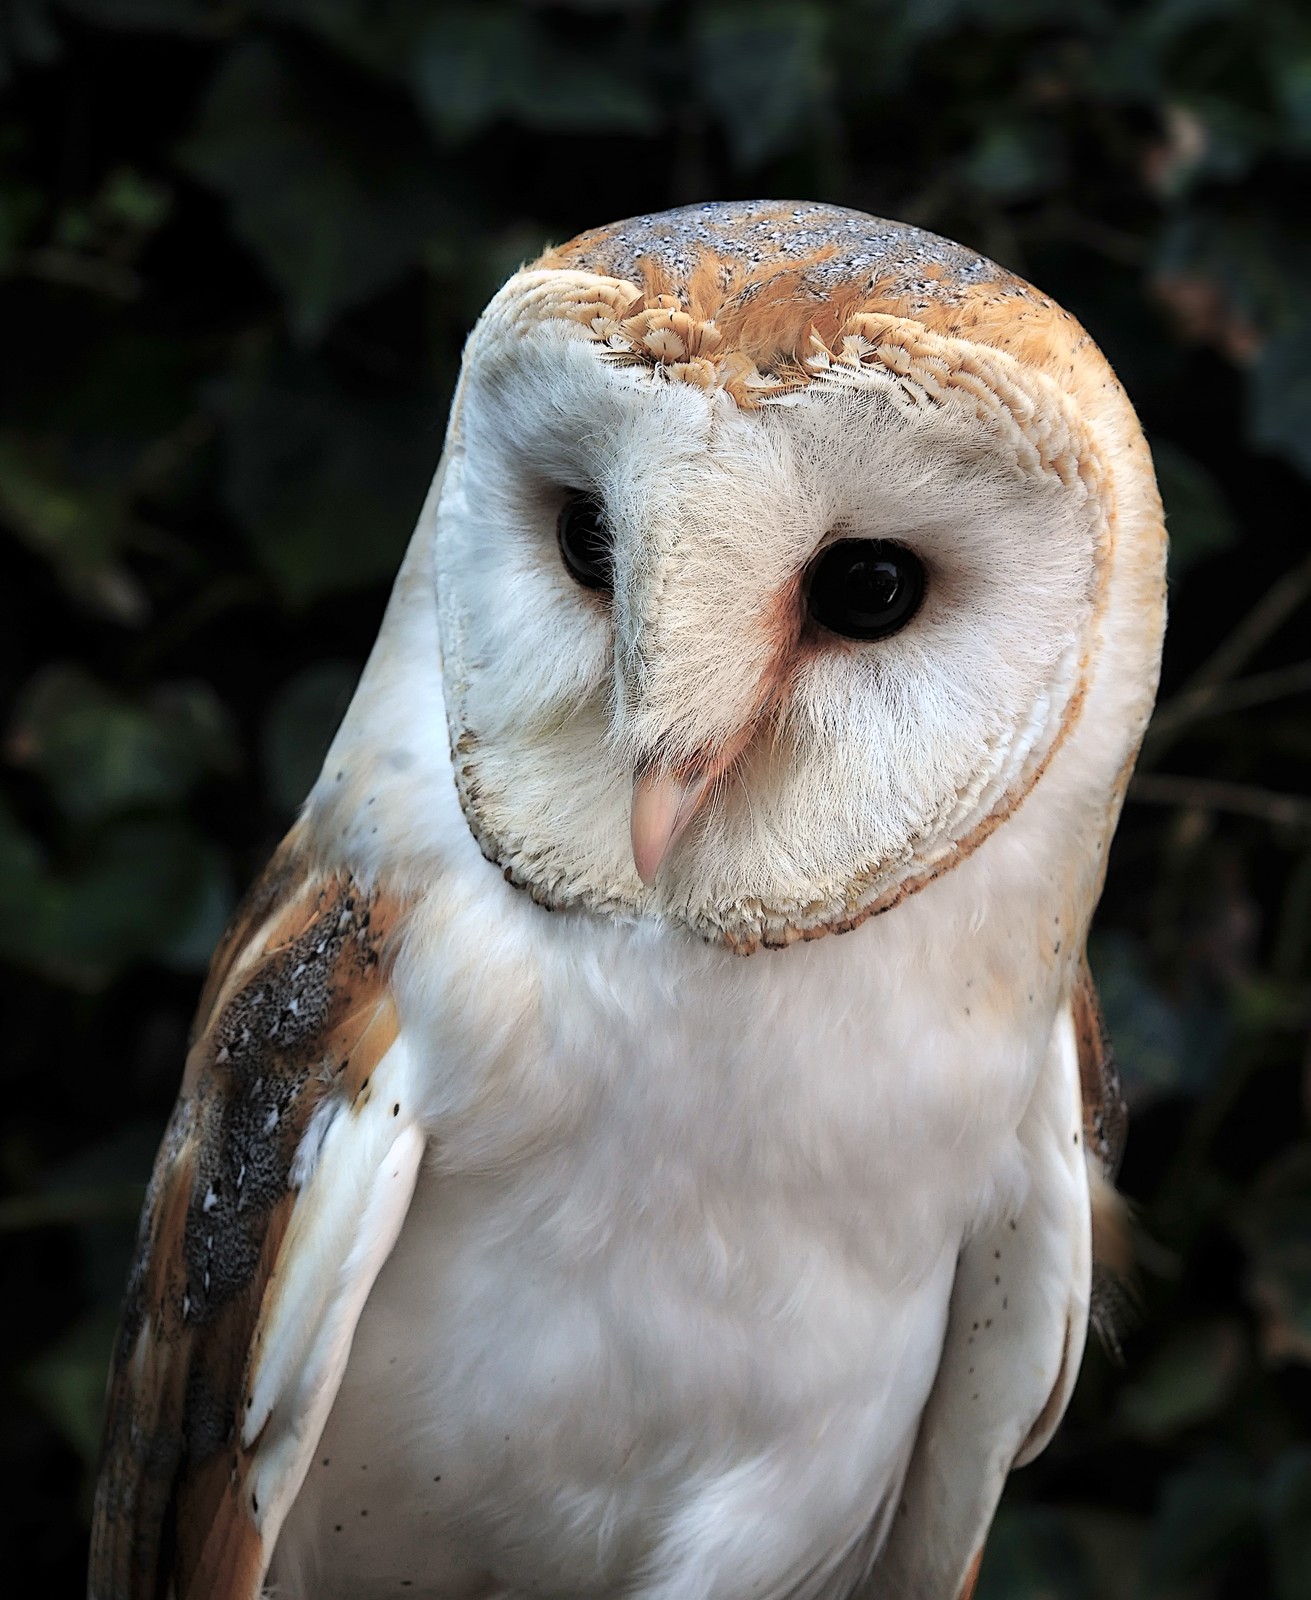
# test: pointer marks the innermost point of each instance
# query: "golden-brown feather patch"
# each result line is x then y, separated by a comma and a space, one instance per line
761, 283
296, 1009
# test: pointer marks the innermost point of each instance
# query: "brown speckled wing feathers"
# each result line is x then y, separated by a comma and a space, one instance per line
1105, 1116
296, 1010
1105, 1124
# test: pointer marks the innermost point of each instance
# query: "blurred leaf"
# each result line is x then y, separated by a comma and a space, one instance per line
1275, 1222
187, 944
1223, 142
80, 530
1111, 1543
1013, 162
299, 727
97, 406
334, 204
1290, 69
68, 1381
102, 753
1281, 398
327, 482
139, 895
1189, 1379
476, 64
1197, 518
133, 206
104, 1184
1146, 1030
21, 866
379, 34
27, 35
1288, 1512
1168, 19
1208, 1511
21, 208
1031, 1555
1232, 276
761, 71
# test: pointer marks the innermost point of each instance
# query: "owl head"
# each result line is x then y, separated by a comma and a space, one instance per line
781, 552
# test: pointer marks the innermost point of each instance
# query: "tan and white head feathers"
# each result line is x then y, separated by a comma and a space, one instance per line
737, 387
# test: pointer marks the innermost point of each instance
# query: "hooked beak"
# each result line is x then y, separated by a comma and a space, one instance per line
663, 805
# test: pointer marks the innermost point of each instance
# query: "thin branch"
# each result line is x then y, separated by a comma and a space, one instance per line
1209, 794
1270, 612
1215, 700
1266, 617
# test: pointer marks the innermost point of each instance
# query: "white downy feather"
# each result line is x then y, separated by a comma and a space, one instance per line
356, 1184
1015, 1337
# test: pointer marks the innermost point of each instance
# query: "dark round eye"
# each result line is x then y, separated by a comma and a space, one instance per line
585, 541
865, 588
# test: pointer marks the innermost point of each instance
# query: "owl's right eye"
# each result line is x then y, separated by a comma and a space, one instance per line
585, 542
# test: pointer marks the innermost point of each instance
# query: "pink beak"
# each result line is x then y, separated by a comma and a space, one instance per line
663, 805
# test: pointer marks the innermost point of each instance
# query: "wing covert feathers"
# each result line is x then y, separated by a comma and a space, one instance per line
1014, 1339
296, 1014
1105, 1124
1105, 1115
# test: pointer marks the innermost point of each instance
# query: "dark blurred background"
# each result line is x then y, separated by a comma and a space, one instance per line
240, 245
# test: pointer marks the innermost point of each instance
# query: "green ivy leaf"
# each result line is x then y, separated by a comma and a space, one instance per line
1280, 415
22, 868
1146, 1030
1197, 516
1290, 70
68, 1382
1031, 1555
80, 528
302, 719
761, 72
1275, 1223
1288, 1519
103, 753
327, 481
1189, 1379
332, 201
379, 34
138, 893
475, 65
1208, 1512
1013, 162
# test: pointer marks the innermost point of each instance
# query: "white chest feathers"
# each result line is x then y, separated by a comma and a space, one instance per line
674, 1286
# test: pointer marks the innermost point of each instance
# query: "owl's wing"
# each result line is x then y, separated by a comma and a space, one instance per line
1018, 1319
280, 1186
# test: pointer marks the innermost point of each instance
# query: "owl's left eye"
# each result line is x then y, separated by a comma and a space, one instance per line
585, 542
866, 588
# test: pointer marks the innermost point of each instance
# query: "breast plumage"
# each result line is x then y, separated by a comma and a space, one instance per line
554, 1203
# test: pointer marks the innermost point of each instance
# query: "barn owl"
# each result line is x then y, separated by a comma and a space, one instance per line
555, 1204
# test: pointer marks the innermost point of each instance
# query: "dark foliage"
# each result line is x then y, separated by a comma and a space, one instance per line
240, 244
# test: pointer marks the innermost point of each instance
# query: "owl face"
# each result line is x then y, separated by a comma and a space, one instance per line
759, 608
